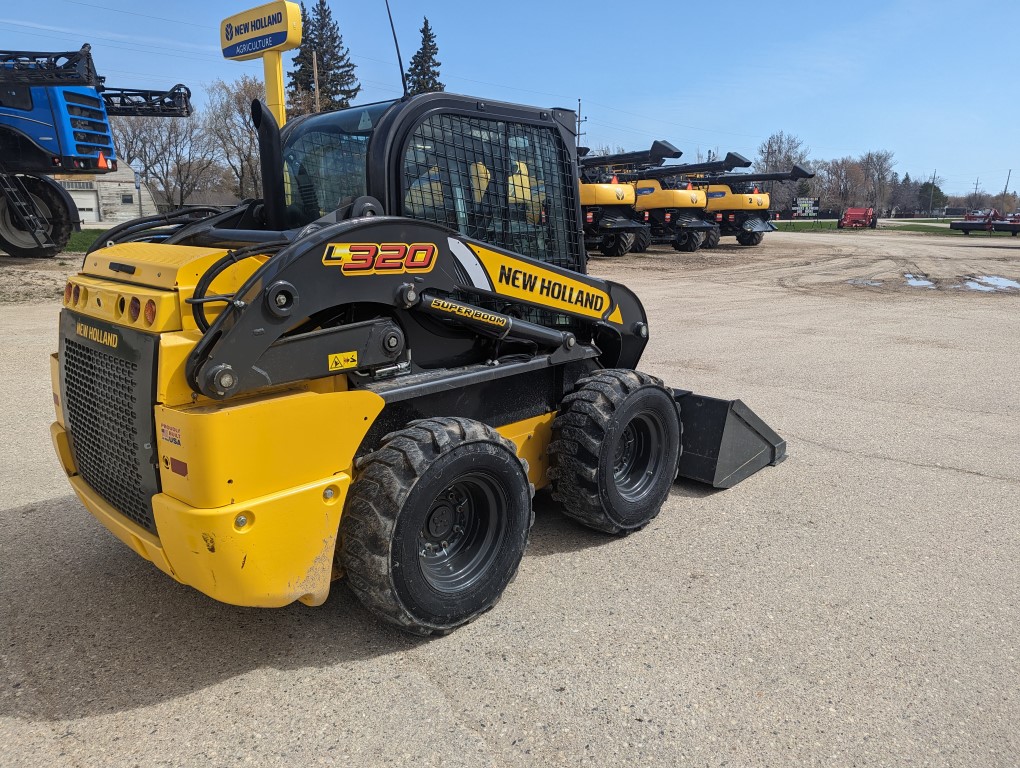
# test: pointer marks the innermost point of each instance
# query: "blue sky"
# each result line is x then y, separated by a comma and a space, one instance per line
936, 83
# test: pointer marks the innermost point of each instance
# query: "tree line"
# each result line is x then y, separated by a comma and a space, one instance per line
213, 157
867, 180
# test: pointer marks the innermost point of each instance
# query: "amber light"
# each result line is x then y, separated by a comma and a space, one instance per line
67, 293
134, 308
150, 312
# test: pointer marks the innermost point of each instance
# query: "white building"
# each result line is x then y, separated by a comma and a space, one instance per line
107, 199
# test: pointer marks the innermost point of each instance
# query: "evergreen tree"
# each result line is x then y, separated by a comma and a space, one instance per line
338, 84
423, 75
301, 77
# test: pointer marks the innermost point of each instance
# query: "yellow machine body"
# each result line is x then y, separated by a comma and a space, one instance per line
722, 198
650, 196
243, 516
606, 194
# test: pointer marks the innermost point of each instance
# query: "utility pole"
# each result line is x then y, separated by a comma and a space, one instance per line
315, 78
1005, 188
579, 121
978, 181
932, 191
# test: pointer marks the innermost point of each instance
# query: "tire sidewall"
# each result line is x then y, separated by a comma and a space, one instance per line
427, 605
623, 512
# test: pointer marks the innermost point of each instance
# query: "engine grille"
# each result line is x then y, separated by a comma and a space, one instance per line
102, 417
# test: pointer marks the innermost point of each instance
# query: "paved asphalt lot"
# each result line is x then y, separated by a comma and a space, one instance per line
854, 606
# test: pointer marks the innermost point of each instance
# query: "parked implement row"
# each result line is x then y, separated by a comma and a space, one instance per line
688, 206
369, 372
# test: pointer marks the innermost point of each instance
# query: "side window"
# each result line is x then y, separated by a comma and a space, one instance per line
505, 183
16, 97
323, 169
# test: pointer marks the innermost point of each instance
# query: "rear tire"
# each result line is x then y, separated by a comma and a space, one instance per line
712, 238
750, 238
436, 524
617, 244
687, 241
614, 450
18, 242
642, 239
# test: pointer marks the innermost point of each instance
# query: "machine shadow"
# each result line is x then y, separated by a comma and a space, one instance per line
88, 628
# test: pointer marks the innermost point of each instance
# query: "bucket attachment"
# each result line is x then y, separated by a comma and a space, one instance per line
724, 441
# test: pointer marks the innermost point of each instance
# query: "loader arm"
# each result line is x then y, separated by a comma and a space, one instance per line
401, 281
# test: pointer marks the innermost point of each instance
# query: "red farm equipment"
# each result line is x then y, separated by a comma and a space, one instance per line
858, 218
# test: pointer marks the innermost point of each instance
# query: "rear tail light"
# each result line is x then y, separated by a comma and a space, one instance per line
589, 217
669, 217
134, 308
75, 294
150, 312
646, 215
732, 217
718, 217
67, 294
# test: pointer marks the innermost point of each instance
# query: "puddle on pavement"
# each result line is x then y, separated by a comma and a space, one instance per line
975, 286
980, 283
995, 283
918, 281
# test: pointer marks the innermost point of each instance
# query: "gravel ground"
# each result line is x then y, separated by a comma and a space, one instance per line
854, 606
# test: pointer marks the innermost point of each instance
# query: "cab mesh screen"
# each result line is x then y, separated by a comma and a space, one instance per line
508, 184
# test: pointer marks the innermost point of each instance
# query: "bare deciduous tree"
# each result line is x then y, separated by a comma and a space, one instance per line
778, 153
182, 158
229, 125
877, 167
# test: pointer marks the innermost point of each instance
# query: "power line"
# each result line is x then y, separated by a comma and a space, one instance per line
134, 13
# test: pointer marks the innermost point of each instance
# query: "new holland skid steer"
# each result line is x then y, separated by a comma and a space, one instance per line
367, 373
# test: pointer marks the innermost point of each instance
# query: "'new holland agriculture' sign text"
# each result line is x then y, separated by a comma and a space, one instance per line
271, 27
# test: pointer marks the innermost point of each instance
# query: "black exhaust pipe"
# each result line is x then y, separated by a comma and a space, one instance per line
271, 160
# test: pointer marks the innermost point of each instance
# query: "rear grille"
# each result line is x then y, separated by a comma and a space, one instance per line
99, 394
684, 217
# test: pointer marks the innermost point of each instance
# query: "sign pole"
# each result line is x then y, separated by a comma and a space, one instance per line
272, 65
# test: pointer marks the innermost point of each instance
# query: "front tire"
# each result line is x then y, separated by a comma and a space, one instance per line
750, 238
617, 244
687, 241
614, 450
19, 242
712, 238
642, 239
436, 524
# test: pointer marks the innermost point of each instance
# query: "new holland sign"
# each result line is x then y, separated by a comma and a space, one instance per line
271, 27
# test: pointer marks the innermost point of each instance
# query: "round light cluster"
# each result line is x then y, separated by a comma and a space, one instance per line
78, 296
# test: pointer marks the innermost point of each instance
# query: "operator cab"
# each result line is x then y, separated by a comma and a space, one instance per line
491, 171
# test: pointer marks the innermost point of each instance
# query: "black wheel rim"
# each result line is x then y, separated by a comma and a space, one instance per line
638, 456
462, 532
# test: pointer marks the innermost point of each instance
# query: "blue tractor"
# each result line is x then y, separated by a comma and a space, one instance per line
54, 119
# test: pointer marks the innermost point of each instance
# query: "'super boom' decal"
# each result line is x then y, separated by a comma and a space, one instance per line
380, 258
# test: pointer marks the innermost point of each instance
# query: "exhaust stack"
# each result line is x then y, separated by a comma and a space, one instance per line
271, 161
